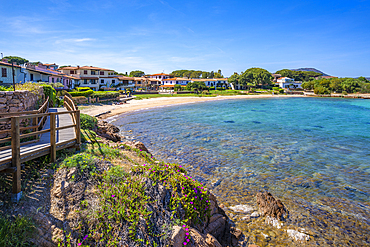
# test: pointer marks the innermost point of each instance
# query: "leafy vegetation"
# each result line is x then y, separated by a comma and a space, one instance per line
50, 92
196, 74
177, 87
17, 232
86, 93
298, 75
253, 77
82, 89
17, 60
87, 121
105, 94
197, 86
136, 73
122, 195
338, 85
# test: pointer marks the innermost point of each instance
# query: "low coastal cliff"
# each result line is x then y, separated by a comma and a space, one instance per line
115, 193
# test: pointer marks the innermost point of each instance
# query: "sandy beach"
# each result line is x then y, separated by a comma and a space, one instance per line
135, 105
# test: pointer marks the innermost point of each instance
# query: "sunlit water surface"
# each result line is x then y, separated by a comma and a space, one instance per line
312, 153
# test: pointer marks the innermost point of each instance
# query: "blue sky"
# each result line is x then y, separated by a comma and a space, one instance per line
158, 35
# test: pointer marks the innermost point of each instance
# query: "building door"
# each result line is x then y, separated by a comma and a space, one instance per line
31, 77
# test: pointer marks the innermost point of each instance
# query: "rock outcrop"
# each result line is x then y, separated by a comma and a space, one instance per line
72, 189
108, 131
269, 206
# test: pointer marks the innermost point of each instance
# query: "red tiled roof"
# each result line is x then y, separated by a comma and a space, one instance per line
89, 78
84, 68
124, 78
159, 74
9, 64
176, 79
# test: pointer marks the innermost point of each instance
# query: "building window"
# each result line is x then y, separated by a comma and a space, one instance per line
113, 81
85, 72
93, 72
4, 72
101, 72
72, 72
102, 81
85, 81
52, 80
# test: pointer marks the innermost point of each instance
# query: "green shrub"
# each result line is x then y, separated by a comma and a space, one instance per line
344, 93
276, 88
281, 90
50, 92
105, 94
82, 89
3, 88
82, 93
321, 90
87, 121
177, 87
17, 232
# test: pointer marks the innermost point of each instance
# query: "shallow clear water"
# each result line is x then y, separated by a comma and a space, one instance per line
314, 152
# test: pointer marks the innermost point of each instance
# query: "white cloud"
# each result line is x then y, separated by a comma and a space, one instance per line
63, 41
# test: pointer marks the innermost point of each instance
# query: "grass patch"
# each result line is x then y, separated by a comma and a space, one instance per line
16, 232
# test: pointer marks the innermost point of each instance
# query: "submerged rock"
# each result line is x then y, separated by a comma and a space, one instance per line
274, 222
242, 209
269, 206
298, 236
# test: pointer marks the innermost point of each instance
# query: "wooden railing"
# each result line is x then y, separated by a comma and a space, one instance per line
12, 164
35, 122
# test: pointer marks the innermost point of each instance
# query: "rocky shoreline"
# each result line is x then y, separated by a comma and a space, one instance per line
67, 205
269, 208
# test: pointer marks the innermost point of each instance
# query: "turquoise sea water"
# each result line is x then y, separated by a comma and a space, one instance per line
314, 152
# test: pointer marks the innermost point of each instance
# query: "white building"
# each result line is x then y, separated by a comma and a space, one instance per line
89, 76
218, 82
6, 74
174, 81
286, 82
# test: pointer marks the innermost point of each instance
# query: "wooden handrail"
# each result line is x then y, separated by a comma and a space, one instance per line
45, 105
18, 113
36, 124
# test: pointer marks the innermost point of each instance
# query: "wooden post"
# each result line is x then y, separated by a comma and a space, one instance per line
53, 148
78, 129
16, 160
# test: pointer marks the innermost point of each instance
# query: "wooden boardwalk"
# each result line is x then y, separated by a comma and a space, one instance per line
52, 130
63, 137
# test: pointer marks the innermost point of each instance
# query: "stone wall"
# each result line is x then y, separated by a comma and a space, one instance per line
20, 101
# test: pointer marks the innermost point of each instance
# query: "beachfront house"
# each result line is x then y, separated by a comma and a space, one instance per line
89, 76
160, 76
125, 82
140, 82
6, 76
215, 82
47, 73
286, 82
155, 80
169, 84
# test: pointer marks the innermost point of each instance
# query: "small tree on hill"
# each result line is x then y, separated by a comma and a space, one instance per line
17, 60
